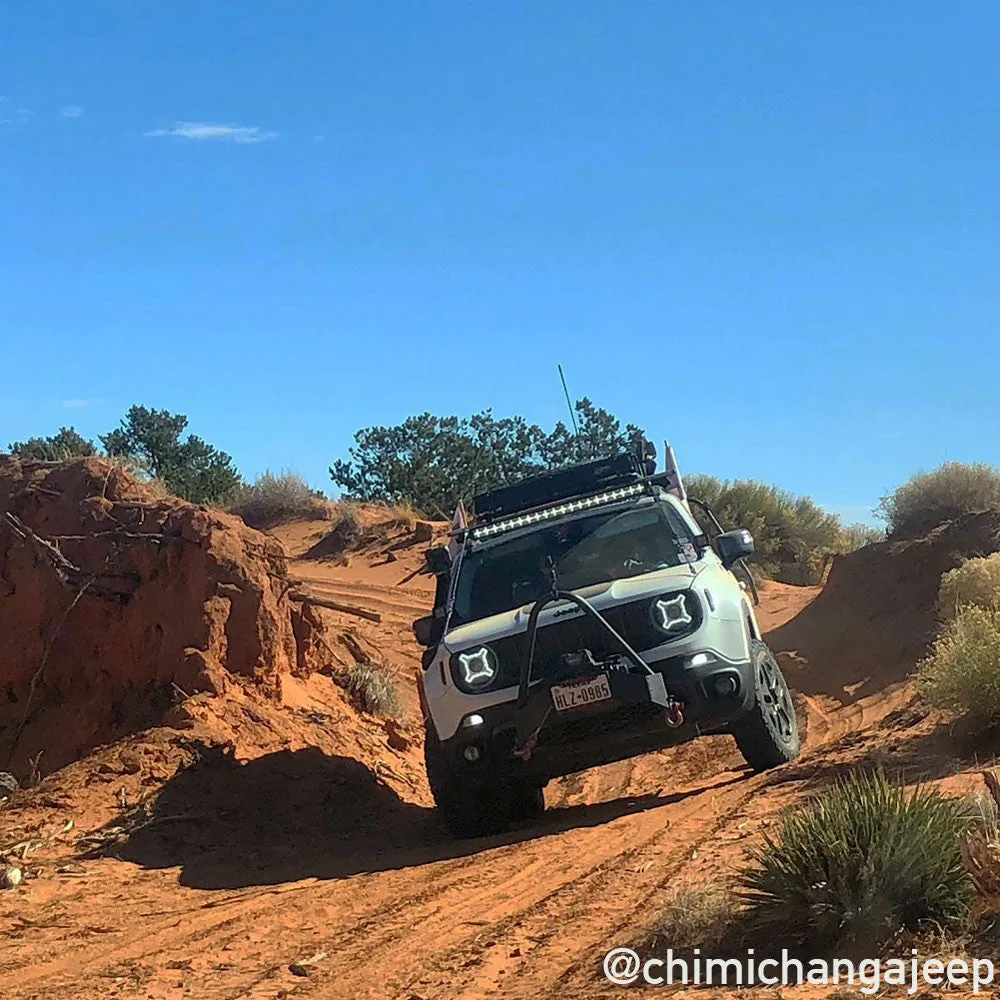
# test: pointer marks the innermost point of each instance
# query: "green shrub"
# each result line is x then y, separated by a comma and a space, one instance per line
962, 670
857, 536
930, 498
794, 537
272, 500
976, 581
862, 861
66, 444
372, 689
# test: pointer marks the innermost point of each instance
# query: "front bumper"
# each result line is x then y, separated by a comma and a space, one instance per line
536, 743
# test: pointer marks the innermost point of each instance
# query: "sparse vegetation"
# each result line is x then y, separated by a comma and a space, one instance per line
372, 689
694, 918
273, 499
962, 670
795, 539
930, 498
976, 581
863, 861
349, 527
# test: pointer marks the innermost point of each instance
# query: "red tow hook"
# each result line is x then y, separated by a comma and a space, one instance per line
673, 714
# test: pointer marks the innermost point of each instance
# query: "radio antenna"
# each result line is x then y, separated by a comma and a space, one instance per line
572, 412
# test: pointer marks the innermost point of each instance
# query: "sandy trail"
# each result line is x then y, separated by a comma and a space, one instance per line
399, 909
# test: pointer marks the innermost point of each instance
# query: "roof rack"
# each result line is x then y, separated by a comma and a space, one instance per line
563, 485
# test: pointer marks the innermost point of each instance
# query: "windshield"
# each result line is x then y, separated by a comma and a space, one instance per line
589, 550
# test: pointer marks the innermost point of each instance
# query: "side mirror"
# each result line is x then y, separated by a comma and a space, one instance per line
438, 560
425, 630
733, 546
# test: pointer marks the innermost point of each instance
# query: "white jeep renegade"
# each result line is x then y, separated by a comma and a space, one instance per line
585, 617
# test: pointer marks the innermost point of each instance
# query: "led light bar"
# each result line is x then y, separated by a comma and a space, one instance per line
549, 513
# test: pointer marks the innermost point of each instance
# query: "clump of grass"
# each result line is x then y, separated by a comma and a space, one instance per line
372, 689
405, 515
930, 498
694, 918
976, 581
274, 499
962, 670
860, 863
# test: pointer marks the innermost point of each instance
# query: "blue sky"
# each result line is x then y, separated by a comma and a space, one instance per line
766, 231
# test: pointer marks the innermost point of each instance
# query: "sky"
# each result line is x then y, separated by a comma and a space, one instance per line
767, 232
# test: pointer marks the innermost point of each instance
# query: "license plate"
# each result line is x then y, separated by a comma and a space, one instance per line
581, 693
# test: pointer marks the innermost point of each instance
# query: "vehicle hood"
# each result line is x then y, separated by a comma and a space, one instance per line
601, 596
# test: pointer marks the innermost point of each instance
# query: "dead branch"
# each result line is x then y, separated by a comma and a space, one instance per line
347, 609
70, 575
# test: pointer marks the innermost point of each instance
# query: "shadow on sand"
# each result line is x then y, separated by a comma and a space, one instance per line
292, 815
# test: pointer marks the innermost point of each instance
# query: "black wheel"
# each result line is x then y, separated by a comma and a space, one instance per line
527, 802
769, 735
467, 811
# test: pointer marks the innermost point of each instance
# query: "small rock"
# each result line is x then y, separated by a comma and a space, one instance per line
516, 953
423, 531
391, 557
8, 783
297, 969
11, 878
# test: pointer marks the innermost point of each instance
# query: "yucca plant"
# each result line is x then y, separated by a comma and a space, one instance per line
372, 689
860, 862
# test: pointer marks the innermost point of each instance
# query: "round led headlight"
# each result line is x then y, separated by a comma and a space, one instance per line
478, 666
671, 615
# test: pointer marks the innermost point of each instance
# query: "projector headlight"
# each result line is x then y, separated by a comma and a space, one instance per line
478, 667
671, 614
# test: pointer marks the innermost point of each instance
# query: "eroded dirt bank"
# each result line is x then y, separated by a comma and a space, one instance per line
281, 824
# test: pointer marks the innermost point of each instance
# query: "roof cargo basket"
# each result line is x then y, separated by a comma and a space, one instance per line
563, 484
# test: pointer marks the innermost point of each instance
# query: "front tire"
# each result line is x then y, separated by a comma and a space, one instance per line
467, 811
769, 735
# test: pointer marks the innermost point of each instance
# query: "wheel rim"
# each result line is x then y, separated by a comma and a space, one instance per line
775, 700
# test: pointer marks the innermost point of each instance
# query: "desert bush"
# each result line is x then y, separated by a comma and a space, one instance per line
372, 689
930, 498
349, 526
793, 536
857, 536
982, 846
273, 499
405, 515
976, 581
694, 918
962, 669
861, 862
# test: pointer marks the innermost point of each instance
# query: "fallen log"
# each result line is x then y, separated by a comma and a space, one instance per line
347, 609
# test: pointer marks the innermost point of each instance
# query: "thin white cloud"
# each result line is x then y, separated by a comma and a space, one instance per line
243, 134
71, 111
79, 404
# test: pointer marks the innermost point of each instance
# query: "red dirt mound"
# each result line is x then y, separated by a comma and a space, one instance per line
876, 615
115, 604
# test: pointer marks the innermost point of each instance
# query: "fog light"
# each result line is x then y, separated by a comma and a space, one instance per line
699, 660
725, 686
472, 720
471, 754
